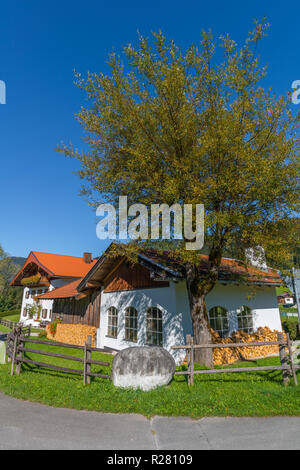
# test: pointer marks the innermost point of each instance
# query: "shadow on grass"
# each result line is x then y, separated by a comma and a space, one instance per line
230, 377
74, 376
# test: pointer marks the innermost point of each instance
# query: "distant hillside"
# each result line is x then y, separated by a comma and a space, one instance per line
18, 260
10, 297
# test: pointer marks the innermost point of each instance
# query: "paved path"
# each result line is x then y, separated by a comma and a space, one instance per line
25, 425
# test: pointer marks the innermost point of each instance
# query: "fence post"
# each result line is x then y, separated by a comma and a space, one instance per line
88, 358
84, 363
188, 358
19, 355
14, 352
293, 371
283, 360
192, 360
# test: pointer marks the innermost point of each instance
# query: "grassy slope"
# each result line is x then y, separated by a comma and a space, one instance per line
240, 394
4, 329
12, 316
15, 317
282, 289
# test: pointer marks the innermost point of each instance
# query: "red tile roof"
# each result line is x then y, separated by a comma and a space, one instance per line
63, 292
230, 269
56, 265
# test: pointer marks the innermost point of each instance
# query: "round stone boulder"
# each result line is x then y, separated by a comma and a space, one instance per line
145, 367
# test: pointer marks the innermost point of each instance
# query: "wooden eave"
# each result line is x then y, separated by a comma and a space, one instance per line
99, 272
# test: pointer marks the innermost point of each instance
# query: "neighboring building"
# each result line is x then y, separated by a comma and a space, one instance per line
147, 303
286, 299
44, 272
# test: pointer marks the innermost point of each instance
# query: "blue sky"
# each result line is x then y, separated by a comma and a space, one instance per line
41, 43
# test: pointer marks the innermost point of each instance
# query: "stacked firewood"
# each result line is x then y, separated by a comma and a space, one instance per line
230, 355
73, 334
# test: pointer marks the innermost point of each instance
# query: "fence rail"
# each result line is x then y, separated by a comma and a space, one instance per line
13, 324
287, 366
15, 349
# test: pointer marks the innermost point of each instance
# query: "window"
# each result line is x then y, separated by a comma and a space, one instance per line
245, 319
33, 293
44, 313
27, 294
218, 320
112, 322
50, 314
25, 312
131, 324
154, 327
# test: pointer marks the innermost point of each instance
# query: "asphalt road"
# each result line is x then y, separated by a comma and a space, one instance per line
25, 425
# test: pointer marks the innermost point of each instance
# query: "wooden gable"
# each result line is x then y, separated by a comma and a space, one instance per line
131, 277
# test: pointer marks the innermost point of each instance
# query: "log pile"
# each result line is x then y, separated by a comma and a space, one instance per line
73, 333
230, 355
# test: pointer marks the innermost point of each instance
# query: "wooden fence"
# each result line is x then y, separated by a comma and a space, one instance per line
286, 359
15, 349
26, 330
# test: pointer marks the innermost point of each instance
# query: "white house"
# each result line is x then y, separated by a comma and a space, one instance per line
42, 273
147, 303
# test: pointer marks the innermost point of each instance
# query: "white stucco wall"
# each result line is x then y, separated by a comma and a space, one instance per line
173, 301
141, 299
46, 304
262, 301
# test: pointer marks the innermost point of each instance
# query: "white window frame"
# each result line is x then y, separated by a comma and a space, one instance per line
154, 336
216, 314
42, 313
112, 322
131, 324
245, 319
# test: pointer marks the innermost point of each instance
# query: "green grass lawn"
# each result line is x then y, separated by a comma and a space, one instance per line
15, 317
11, 313
282, 289
232, 394
4, 329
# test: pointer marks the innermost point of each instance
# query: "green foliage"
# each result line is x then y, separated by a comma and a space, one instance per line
167, 126
34, 310
28, 281
172, 126
240, 394
285, 310
290, 325
10, 297
53, 326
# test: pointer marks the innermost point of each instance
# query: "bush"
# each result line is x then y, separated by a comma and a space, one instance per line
9, 313
290, 326
53, 325
43, 334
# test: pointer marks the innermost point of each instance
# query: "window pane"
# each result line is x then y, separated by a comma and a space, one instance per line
245, 319
112, 322
218, 320
131, 324
154, 327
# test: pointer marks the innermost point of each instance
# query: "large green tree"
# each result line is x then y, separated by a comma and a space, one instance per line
196, 126
10, 297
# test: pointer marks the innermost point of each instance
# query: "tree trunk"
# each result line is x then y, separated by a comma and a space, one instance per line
201, 331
